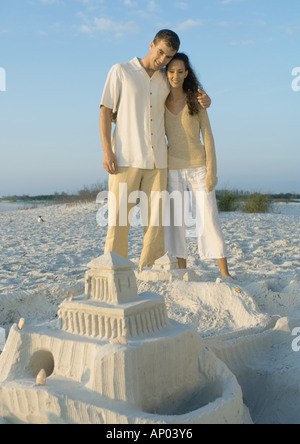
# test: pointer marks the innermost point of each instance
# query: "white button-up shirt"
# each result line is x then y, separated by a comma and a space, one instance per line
139, 136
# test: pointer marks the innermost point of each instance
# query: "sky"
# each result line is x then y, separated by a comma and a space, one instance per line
55, 56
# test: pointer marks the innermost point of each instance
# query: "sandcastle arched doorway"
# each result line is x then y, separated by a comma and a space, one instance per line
41, 359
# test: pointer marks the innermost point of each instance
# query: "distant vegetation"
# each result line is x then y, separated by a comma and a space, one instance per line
257, 203
227, 200
251, 202
87, 194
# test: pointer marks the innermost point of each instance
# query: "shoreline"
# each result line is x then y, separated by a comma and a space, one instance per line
11, 205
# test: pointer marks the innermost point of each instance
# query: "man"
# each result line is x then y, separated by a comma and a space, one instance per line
136, 156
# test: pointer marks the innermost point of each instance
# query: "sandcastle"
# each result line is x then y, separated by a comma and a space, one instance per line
111, 307
166, 269
114, 357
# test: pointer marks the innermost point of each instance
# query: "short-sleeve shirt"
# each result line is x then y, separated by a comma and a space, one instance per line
139, 135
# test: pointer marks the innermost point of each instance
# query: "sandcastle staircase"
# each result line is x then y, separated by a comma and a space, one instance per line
114, 357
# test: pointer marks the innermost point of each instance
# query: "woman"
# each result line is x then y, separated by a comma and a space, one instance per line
192, 166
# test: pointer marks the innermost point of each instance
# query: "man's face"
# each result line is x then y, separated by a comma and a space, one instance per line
160, 55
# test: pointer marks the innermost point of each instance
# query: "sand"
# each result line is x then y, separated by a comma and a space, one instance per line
247, 324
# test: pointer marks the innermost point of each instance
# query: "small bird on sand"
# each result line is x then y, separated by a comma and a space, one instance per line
40, 219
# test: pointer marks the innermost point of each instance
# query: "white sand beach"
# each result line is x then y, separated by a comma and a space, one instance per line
247, 323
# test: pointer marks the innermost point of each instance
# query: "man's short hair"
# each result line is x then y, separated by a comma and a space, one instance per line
170, 37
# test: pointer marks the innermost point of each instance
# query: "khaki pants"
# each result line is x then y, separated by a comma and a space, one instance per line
135, 180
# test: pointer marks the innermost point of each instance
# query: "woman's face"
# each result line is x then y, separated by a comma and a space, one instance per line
176, 73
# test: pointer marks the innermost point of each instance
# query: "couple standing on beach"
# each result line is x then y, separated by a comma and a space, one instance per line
152, 103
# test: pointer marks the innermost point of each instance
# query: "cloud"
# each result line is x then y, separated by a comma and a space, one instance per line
153, 6
224, 24
182, 5
188, 24
90, 2
110, 27
130, 3
228, 2
243, 43
50, 2
292, 30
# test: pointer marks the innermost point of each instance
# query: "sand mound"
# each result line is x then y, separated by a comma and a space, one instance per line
208, 308
40, 305
214, 309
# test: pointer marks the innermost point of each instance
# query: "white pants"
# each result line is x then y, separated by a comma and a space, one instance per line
190, 185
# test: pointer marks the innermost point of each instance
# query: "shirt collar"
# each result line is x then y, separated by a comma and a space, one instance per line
137, 66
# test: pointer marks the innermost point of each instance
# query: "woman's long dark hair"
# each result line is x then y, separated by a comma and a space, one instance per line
191, 84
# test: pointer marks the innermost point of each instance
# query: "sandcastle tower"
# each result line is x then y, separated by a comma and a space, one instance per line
111, 307
166, 269
114, 357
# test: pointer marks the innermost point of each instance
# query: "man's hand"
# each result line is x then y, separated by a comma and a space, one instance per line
110, 162
109, 159
203, 99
